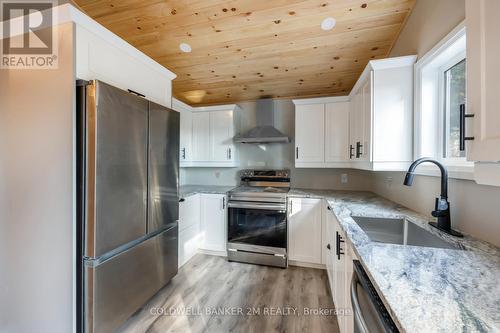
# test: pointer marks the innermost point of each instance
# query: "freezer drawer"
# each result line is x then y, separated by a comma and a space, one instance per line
163, 167
116, 288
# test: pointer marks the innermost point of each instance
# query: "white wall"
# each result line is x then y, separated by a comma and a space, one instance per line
429, 22
275, 156
36, 195
474, 207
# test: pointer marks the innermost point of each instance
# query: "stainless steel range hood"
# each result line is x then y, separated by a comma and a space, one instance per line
264, 132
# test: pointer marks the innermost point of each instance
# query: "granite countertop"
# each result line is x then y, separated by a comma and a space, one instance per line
188, 190
424, 289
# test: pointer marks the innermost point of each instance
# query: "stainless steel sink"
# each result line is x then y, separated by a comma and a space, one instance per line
399, 231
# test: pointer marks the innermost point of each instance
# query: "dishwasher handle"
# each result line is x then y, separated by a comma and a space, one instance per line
358, 316
360, 277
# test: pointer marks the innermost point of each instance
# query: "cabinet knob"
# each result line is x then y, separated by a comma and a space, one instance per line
182, 200
328, 247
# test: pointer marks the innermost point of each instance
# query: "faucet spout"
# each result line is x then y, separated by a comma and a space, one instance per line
442, 206
444, 174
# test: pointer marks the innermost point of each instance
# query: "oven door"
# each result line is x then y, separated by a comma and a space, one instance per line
257, 224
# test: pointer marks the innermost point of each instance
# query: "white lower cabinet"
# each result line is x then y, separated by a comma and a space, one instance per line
339, 269
189, 242
304, 233
202, 225
213, 222
189, 228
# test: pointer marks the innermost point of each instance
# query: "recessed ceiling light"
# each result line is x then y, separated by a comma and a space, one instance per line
185, 47
328, 23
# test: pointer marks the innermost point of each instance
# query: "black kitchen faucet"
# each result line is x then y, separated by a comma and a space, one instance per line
442, 208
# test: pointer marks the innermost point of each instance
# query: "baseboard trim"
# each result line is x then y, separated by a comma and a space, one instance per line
213, 253
305, 264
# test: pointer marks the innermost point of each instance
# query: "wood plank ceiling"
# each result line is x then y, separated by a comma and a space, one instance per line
251, 49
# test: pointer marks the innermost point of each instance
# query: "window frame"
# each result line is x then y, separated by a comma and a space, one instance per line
429, 104
444, 111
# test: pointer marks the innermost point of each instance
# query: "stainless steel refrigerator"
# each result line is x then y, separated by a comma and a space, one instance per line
128, 167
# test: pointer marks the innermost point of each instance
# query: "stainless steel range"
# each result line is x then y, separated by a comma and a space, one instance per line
257, 219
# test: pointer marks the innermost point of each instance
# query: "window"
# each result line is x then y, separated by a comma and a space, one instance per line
440, 89
454, 95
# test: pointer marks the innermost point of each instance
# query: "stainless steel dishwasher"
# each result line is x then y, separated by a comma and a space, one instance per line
370, 314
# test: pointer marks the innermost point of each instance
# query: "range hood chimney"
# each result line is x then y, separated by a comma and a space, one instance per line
264, 132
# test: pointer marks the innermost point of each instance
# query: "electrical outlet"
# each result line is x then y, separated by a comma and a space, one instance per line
388, 181
344, 178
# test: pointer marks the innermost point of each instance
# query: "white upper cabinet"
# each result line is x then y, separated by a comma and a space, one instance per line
222, 133
207, 135
186, 127
483, 85
321, 132
336, 132
200, 137
382, 121
309, 133
102, 55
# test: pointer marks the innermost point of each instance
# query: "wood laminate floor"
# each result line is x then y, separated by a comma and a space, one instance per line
210, 294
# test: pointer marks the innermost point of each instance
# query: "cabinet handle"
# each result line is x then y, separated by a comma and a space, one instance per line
339, 249
229, 153
223, 203
463, 138
358, 149
291, 207
328, 247
183, 153
136, 93
351, 151
297, 152
182, 200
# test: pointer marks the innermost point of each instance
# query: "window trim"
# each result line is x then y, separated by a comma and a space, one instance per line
423, 69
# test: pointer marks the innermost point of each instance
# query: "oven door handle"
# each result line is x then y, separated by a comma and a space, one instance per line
267, 206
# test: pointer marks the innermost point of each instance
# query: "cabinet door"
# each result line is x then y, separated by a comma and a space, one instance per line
366, 116
186, 128
330, 246
483, 85
339, 273
189, 241
358, 127
221, 136
352, 128
348, 317
310, 133
304, 236
201, 133
189, 212
213, 222
337, 132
